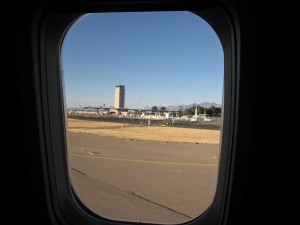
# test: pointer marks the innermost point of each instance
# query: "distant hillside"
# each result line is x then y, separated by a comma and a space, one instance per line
169, 107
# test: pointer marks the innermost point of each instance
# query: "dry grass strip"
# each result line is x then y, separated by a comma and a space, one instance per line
144, 133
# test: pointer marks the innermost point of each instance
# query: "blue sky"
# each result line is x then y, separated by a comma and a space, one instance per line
162, 58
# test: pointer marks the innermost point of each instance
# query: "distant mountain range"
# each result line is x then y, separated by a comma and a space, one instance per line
183, 107
169, 107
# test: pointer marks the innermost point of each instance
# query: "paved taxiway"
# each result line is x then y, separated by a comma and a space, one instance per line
143, 181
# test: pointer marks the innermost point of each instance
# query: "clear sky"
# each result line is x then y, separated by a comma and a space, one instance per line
162, 58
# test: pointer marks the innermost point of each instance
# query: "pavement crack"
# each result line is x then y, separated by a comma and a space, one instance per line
148, 200
78, 171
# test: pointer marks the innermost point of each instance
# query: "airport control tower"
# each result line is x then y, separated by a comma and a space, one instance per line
120, 97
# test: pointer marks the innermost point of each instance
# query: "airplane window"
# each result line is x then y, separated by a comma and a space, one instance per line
144, 101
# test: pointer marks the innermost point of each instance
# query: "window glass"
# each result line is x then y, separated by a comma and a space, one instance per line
143, 95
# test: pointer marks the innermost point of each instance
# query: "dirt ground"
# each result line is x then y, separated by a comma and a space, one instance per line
144, 133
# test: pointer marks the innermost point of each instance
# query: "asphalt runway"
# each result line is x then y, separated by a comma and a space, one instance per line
142, 181
214, 125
